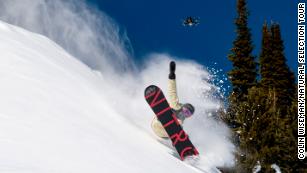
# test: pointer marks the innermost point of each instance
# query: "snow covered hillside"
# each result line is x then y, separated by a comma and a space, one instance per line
58, 115
53, 117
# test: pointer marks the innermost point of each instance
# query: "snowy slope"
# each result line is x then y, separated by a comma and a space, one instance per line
56, 115
94, 38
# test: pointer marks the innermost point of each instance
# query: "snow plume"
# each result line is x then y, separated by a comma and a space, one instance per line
208, 134
96, 40
89, 35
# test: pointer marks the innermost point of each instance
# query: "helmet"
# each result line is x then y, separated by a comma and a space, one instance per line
188, 110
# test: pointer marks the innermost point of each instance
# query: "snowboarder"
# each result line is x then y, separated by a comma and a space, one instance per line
182, 111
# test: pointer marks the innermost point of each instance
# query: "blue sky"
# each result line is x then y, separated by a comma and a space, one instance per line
155, 26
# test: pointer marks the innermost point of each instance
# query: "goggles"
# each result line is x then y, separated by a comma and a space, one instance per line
186, 112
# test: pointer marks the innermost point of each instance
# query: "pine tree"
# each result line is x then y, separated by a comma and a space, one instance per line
275, 74
283, 77
266, 59
244, 72
265, 137
263, 113
267, 134
254, 121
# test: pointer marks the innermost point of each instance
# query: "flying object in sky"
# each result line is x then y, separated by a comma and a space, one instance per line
190, 21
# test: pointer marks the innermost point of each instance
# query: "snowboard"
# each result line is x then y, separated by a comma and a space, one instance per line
180, 140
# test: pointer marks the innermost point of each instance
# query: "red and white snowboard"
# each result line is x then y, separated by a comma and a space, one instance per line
180, 140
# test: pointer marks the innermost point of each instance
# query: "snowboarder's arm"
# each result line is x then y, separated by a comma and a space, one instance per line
172, 93
172, 89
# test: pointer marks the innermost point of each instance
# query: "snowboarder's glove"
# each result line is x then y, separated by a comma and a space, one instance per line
172, 68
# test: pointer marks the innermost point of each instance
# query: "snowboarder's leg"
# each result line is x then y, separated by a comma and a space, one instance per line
158, 128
